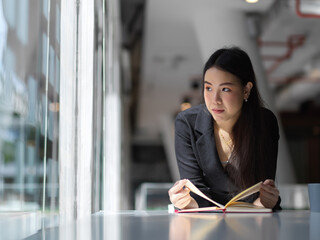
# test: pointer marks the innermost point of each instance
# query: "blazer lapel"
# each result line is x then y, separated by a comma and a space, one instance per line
207, 151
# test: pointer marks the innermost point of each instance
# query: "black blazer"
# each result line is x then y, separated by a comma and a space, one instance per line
198, 159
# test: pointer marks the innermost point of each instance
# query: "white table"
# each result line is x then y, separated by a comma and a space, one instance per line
141, 225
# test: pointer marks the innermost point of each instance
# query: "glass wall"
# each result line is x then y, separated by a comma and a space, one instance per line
98, 103
29, 104
61, 143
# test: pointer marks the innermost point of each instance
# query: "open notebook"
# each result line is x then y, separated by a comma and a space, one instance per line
234, 205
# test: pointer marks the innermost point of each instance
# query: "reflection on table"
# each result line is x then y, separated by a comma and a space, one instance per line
162, 225
224, 226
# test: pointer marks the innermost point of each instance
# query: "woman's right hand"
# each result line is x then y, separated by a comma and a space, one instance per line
180, 195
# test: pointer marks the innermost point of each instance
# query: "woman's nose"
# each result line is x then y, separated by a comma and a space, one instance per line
217, 98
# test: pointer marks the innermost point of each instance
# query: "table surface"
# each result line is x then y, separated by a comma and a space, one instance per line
162, 225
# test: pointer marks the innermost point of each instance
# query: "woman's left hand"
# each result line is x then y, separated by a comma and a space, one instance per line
269, 194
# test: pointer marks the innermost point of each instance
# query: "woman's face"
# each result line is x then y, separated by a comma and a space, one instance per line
224, 95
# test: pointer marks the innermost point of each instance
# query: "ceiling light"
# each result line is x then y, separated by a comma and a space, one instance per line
252, 1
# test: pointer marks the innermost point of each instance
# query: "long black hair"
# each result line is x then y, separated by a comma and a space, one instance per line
247, 157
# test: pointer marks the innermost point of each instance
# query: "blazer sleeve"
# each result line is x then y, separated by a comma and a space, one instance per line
272, 150
272, 145
188, 164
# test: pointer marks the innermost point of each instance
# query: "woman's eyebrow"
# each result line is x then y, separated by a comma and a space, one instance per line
221, 84
226, 83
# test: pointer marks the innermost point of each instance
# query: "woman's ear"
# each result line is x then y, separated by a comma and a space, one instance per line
247, 90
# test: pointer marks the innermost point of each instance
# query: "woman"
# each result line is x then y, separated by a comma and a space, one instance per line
231, 142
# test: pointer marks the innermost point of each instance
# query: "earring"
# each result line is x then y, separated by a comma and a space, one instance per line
246, 99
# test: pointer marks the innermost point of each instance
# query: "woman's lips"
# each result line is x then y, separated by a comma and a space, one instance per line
217, 111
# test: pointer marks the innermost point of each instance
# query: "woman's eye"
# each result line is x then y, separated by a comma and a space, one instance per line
226, 89
208, 88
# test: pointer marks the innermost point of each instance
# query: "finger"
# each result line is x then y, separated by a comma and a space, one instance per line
182, 203
269, 182
182, 194
177, 182
269, 189
267, 195
268, 202
180, 200
177, 186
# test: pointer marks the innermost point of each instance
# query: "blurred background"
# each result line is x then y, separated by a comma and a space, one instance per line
89, 92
